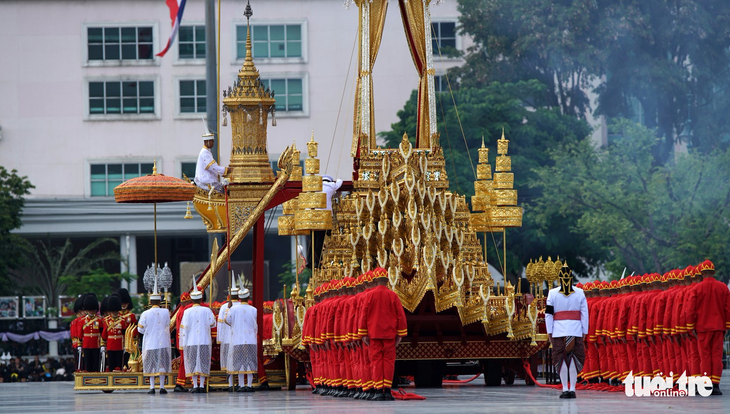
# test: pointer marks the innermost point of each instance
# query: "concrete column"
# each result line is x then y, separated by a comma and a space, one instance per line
53, 345
128, 250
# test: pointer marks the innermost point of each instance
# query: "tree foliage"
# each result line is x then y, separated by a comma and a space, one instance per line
12, 190
52, 266
642, 57
97, 280
533, 129
645, 217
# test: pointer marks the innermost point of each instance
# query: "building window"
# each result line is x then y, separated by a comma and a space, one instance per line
121, 97
104, 177
191, 43
289, 93
440, 84
271, 41
120, 43
187, 169
192, 96
443, 37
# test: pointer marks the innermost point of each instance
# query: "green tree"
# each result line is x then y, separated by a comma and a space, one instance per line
644, 58
48, 263
98, 281
645, 217
12, 190
533, 130
288, 277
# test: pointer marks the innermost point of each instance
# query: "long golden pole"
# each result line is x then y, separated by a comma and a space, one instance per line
504, 255
296, 261
155, 204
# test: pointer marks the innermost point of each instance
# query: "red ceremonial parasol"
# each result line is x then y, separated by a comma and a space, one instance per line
154, 188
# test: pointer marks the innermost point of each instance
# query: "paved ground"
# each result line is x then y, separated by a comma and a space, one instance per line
59, 397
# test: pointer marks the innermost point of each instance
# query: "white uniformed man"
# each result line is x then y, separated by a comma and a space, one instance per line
566, 320
224, 332
155, 325
242, 356
207, 171
196, 341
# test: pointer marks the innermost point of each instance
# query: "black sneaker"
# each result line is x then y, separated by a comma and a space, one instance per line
387, 395
565, 394
572, 394
151, 392
716, 389
264, 386
163, 391
179, 388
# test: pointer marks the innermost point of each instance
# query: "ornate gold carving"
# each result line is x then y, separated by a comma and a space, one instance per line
311, 183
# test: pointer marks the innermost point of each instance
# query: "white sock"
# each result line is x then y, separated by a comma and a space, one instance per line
240, 380
195, 381
202, 381
162, 381
564, 376
573, 375
230, 380
249, 379
152, 383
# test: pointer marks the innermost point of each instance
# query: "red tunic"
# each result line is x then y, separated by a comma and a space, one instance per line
383, 316
709, 306
91, 327
76, 331
129, 317
112, 334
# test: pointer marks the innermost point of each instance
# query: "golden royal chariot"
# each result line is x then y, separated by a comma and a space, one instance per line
397, 213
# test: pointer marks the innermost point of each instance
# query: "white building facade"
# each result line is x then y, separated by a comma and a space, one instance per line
85, 104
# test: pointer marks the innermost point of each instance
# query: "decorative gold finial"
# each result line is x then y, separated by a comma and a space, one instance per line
483, 140
188, 214
154, 167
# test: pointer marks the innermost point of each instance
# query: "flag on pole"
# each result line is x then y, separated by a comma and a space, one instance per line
302, 259
176, 12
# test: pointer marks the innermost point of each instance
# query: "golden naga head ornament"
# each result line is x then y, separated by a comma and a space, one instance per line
565, 275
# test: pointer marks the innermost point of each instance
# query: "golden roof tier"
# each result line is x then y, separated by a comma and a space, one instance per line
249, 103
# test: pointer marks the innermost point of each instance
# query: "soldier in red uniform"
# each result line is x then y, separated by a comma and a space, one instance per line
182, 380
708, 319
76, 331
591, 368
383, 325
354, 342
126, 313
644, 354
366, 370
112, 335
308, 340
693, 355
91, 328
599, 339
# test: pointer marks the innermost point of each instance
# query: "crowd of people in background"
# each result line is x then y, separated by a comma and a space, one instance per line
50, 369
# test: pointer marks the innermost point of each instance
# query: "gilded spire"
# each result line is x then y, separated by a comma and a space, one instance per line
248, 89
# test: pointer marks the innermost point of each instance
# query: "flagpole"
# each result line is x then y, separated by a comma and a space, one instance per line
211, 78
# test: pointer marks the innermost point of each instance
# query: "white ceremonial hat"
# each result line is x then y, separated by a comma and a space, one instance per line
195, 294
244, 293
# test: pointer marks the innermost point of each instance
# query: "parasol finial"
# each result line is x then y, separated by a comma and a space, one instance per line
154, 167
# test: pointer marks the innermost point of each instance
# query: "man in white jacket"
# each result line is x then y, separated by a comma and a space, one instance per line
195, 337
155, 325
244, 330
566, 320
